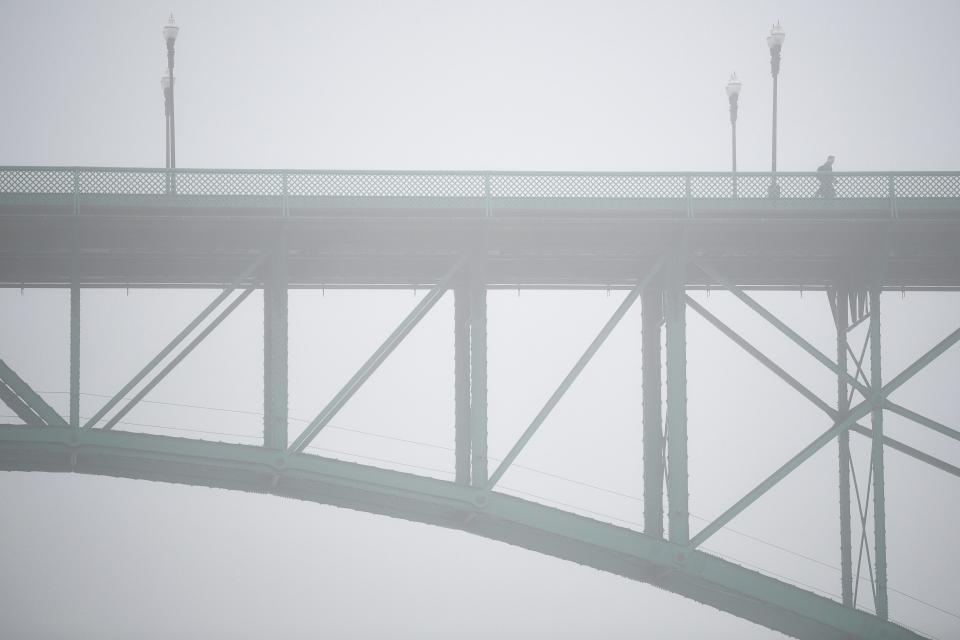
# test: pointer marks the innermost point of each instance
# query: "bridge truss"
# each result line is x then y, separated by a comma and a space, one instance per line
657, 236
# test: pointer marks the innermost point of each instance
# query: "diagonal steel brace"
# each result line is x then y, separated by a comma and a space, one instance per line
374, 361
574, 373
855, 414
24, 401
177, 359
811, 396
174, 343
821, 357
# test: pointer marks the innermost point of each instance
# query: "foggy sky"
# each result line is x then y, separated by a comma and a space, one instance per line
457, 85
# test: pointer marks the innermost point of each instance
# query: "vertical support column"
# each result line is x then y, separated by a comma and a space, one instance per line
478, 367
74, 351
461, 366
677, 490
75, 308
841, 297
651, 312
876, 456
275, 406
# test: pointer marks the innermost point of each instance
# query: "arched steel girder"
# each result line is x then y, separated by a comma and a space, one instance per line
673, 567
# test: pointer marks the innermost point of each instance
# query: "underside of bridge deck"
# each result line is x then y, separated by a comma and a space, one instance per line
377, 251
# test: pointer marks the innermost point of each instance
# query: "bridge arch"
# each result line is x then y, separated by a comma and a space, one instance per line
536, 527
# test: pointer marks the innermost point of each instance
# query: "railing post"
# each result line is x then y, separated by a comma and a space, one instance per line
688, 195
651, 320
76, 192
284, 195
487, 201
892, 195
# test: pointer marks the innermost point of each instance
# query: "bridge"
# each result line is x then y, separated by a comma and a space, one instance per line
655, 235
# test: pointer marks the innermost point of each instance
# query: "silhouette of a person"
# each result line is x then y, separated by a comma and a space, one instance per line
825, 176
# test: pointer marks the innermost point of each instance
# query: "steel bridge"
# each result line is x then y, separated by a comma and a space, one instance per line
656, 235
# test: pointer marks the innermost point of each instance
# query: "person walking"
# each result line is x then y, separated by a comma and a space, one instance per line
825, 176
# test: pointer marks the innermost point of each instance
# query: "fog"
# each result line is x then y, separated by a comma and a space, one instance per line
579, 86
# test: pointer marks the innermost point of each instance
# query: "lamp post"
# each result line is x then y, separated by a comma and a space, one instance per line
166, 85
775, 42
733, 95
170, 36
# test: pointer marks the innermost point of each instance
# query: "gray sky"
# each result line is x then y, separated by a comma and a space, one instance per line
456, 85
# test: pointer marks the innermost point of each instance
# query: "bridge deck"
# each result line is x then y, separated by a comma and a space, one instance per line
199, 228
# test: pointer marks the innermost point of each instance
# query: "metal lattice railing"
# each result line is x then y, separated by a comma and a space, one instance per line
95, 181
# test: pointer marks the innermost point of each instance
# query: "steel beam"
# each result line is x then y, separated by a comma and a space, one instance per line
876, 456
478, 367
922, 420
461, 368
24, 401
18, 406
74, 354
916, 454
783, 328
841, 319
170, 366
811, 396
651, 314
855, 414
180, 337
678, 494
571, 376
375, 360
275, 348
702, 577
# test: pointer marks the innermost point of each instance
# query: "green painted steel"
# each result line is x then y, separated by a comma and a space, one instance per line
921, 420
855, 414
676, 568
74, 355
285, 192
784, 328
26, 402
499, 215
461, 367
573, 374
180, 337
275, 348
812, 397
375, 360
678, 494
170, 366
842, 322
876, 460
651, 320
479, 462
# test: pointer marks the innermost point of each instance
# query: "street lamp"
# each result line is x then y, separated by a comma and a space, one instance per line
170, 36
733, 95
775, 42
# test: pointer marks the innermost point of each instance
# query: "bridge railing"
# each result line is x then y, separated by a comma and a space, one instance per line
99, 181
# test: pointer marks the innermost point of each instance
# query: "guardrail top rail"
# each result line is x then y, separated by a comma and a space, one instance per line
98, 181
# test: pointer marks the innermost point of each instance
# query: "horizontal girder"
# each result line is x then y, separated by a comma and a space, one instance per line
363, 251
673, 567
112, 226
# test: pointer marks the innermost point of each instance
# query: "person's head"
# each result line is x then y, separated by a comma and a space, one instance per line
830, 160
